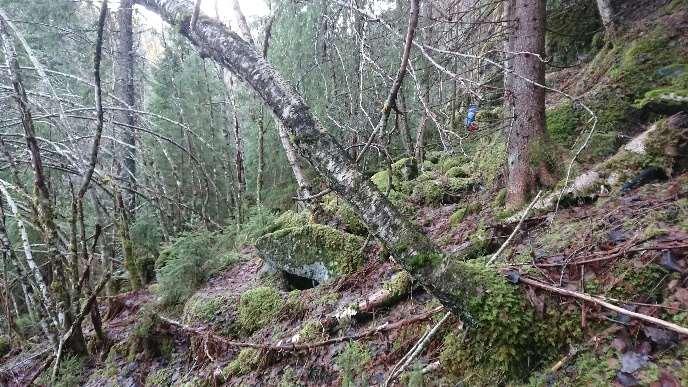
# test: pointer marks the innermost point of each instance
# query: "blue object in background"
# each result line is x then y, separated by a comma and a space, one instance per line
470, 116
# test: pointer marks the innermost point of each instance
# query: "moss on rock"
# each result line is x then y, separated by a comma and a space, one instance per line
288, 219
342, 213
313, 251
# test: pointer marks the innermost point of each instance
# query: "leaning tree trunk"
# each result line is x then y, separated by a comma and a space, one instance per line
606, 9
468, 288
526, 138
125, 91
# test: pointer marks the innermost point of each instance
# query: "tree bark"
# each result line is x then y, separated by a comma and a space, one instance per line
125, 91
606, 9
527, 137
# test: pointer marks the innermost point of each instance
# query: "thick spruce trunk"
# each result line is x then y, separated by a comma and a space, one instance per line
526, 137
479, 295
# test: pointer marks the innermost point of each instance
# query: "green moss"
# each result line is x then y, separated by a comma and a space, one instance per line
327, 298
245, 362
562, 123
288, 219
405, 169
653, 231
4, 345
504, 339
602, 145
342, 211
489, 159
294, 306
351, 362
310, 331
422, 261
428, 166
293, 247
459, 171
159, 378
457, 217
633, 282
588, 369
399, 285
414, 377
480, 242
257, 307
289, 378
146, 338
428, 192
461, 212
664, 100
381, 180
69, 373
500, 199
457, 185
205, 309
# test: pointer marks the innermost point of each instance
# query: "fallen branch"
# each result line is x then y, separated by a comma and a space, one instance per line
611, 254
513, 233
414, 352
605, 304
299, 347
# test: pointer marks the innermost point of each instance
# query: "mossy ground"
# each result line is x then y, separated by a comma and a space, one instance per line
257, 307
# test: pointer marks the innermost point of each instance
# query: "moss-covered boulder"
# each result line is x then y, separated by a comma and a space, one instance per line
288, 219
313, 251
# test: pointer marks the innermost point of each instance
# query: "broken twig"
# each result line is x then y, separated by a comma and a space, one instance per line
595, 300
414, 352
299, 347
513, 233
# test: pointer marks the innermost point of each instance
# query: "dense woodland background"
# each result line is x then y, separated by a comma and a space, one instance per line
176, 210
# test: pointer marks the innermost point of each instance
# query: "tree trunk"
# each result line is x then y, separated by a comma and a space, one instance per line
304, 190
125, 91
526, 167
606, 9
458, 284
46, 215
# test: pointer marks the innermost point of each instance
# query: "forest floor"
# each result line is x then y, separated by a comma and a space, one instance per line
631, 249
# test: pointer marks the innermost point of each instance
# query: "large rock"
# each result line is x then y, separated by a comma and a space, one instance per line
313, 251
